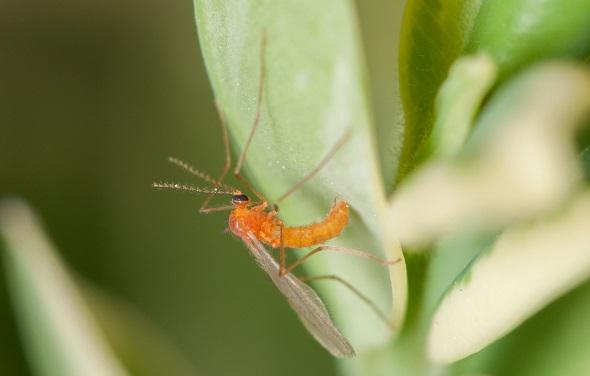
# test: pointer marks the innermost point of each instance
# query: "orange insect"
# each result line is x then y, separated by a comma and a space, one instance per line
258, 222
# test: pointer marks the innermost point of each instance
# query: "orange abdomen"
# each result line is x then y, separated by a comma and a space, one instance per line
317, 233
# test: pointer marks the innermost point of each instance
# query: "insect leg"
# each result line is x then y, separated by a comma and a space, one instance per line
282, 255
317, 169
242, 156
348, 251
354, 290
226, 165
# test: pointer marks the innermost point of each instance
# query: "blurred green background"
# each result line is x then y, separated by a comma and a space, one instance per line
94, 96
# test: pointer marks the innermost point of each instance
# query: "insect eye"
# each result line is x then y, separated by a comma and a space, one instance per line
239, 199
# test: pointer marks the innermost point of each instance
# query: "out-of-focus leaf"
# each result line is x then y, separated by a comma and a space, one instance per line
314, 91
583, 148
526, 269
450, 258
59, 331
585, 158
458, 101
381, 25
513, 33
434, 33
521, 160
553, 342
518, 32
135, 339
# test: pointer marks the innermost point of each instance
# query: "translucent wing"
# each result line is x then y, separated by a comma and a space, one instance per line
304, 301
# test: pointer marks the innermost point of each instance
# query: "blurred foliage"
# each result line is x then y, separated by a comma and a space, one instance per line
527, 350
96, 95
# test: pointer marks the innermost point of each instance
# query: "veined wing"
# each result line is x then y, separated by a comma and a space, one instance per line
304, 301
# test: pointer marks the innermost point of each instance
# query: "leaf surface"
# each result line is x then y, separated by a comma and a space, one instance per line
61, 335
313, 92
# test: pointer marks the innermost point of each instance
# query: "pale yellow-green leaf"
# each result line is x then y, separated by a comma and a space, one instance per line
60, 334
526, 268
458, 102
520, 162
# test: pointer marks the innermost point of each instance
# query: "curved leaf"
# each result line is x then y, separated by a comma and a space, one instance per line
381, 25
520, 162
142, 347
458, 101
513, 33
314, 92
434, 33
60, 333
518, 32
557, 338
527, 268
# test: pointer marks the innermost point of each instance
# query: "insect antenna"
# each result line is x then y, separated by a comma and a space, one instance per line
185, 166
190, 188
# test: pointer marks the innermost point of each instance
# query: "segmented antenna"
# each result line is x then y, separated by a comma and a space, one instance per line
185, 166
190, 188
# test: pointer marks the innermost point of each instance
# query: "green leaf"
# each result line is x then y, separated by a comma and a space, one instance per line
314, 92
513, 33
142, 347
527, 268
557, 338
458, 102
518, 32
381, 24
434, 34
60, 334
520, 162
